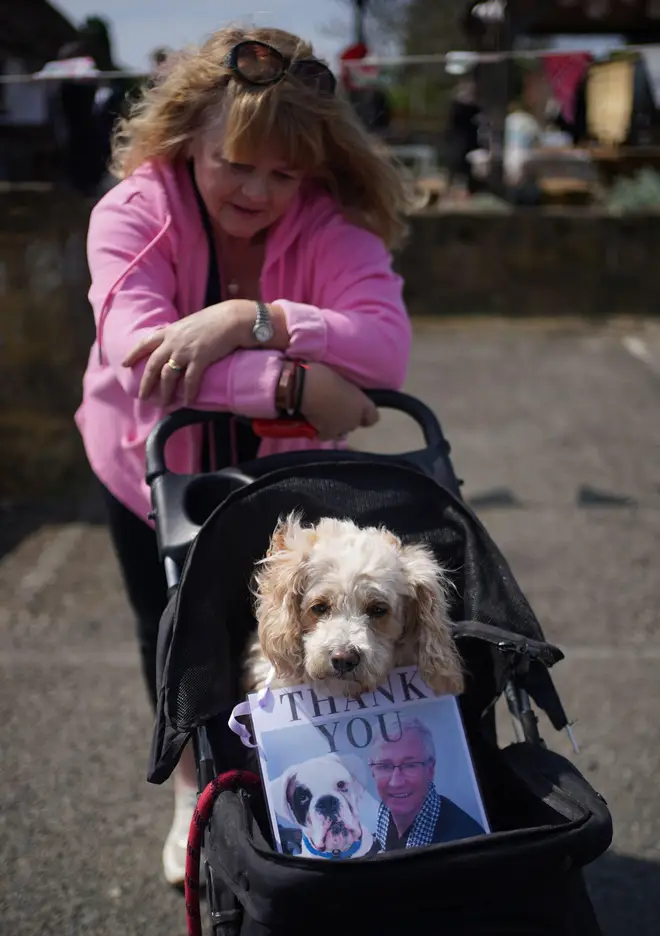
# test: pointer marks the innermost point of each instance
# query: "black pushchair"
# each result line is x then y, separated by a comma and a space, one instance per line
547, 822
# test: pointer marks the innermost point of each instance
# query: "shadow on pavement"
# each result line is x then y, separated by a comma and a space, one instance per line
626, 895
19, 521
585, 497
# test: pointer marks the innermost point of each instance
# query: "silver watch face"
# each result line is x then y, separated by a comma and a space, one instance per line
263, 332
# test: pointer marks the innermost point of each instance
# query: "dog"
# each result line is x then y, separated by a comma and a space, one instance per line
322, 796
339, 606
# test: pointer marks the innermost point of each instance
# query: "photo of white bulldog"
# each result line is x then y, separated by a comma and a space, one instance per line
322, 797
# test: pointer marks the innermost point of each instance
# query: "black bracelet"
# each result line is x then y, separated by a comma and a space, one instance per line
301, 373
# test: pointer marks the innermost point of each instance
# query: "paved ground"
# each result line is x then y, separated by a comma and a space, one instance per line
556, 432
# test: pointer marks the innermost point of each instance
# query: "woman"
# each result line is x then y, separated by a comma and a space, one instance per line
241, 264
522, 136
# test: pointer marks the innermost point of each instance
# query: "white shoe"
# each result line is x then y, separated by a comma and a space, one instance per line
176, 843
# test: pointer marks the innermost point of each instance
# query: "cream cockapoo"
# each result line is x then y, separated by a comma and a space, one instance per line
341, 606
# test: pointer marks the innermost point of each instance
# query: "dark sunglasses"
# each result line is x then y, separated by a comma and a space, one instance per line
260, 64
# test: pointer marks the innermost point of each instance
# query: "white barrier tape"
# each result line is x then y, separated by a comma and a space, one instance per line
464, 57
83, 76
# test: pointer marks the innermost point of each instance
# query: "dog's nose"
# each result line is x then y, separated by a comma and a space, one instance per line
344, 661
328, 807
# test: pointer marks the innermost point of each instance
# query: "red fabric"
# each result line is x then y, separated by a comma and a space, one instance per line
564, 72
232, 780
349, 76
357, 51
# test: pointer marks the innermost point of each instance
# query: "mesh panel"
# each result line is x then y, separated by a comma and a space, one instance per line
213, 617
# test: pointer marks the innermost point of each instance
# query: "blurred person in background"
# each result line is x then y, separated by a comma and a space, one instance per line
160, 58
85, 109
242, 264
523, 132
463, 134
71, 108
372, 105
109, 99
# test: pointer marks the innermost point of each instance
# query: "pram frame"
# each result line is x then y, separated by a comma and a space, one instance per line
176, 531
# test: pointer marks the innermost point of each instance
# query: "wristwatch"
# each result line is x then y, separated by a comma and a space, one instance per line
263, 329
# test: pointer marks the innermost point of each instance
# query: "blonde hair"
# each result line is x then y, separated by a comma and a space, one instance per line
316, 133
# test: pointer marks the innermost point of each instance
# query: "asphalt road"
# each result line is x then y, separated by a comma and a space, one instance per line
556, 431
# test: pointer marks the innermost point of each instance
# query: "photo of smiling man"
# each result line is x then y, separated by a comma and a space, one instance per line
412, 813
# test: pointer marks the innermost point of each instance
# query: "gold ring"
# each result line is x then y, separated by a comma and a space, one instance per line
173, 364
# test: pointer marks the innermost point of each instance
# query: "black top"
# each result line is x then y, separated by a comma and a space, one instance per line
220, 438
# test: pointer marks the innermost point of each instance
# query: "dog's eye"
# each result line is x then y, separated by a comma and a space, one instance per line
377, 610
342, 785
321, 607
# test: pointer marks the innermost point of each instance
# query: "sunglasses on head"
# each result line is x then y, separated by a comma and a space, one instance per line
260, 64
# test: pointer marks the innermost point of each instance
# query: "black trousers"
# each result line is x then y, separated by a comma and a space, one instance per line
136, 548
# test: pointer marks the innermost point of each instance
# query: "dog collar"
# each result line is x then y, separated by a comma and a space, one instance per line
332, 854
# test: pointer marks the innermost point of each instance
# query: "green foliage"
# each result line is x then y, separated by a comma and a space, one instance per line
418, 26
432, 26
638, 194
423, 27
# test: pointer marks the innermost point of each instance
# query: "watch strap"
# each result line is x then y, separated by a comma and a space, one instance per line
263, 315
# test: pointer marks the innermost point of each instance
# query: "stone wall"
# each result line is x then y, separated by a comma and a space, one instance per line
531, 263
46, 330
454, 264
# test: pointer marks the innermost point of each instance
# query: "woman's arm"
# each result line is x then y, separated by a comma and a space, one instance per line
360, 326
133, 290
132, 294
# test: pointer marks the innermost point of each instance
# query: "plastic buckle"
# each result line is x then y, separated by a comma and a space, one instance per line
519, 656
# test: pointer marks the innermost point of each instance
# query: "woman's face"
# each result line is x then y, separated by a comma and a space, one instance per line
243, 198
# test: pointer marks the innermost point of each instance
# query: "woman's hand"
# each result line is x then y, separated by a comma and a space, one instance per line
333, 405
195, 342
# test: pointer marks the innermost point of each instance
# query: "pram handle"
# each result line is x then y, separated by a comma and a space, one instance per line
290, 428
383, 399
181, 501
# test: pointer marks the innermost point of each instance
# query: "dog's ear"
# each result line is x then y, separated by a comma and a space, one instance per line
278, 793
278, 586
280, 535
427, 621
290, 533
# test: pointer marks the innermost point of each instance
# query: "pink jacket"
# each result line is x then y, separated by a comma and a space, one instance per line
149, 259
